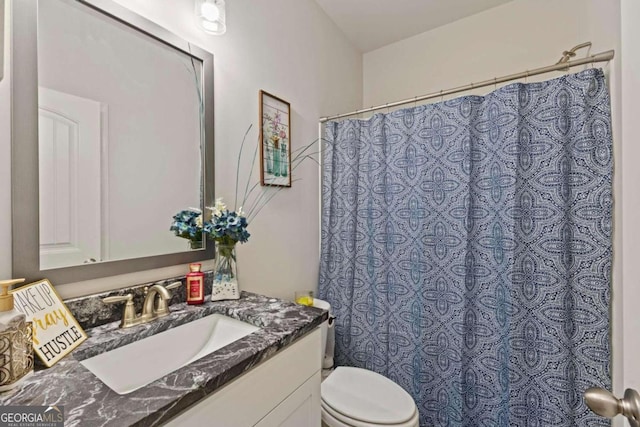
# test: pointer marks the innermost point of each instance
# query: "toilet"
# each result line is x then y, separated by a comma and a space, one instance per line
355, 397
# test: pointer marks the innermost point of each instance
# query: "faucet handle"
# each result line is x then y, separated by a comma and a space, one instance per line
129, 312
169, 286
174, 285
118, 298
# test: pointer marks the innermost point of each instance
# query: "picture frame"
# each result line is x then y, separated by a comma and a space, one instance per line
275, 141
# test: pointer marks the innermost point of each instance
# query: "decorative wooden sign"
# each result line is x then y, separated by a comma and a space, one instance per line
55, 331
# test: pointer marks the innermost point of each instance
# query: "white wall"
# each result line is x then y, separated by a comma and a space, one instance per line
630, 194
289, 48
511, 38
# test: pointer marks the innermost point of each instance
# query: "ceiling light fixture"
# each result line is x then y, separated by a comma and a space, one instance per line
211, 16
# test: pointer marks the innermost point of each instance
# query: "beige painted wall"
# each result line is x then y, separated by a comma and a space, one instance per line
287, 47
514, 37
507, 39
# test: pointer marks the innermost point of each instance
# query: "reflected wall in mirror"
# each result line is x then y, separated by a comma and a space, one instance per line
124, 117
1, 39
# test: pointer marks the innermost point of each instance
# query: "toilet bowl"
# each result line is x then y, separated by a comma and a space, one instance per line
355, 397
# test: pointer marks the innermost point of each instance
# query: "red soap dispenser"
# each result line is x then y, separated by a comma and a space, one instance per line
195, 285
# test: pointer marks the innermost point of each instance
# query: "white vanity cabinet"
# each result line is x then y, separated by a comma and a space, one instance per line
283, 391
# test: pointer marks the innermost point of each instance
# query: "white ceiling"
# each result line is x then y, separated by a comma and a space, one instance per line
371, 24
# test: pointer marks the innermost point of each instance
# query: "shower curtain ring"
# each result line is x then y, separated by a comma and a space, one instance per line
495, 83
415, 101
526, 76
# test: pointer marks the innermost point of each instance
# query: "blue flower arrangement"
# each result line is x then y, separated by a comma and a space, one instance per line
188, 224
227, 227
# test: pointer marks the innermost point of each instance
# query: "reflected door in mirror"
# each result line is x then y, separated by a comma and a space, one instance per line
70, 139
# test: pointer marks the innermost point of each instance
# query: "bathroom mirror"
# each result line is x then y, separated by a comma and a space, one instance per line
112, 135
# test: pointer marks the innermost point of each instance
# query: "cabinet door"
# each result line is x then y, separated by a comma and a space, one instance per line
300, 409
253, 396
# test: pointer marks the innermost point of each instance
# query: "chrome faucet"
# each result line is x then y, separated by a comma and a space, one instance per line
150, 309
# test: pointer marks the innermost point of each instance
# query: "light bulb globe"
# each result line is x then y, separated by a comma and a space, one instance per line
209, 11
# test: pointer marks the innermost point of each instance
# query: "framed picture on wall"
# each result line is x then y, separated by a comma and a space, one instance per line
275, 141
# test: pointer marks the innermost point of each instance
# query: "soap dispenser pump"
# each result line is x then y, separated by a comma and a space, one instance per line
16, 340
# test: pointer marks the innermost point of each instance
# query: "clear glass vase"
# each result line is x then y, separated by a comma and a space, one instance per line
276, 156
225, 273
284, 165
195, 244
269, 159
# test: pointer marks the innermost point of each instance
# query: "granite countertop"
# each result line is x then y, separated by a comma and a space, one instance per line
88, 401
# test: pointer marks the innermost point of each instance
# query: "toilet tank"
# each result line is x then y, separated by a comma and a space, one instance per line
328, 334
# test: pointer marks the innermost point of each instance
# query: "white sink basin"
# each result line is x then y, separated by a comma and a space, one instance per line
135, 365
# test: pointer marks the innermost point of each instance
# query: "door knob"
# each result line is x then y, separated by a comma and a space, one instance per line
605, 404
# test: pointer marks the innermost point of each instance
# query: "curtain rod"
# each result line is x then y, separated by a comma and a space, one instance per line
560, 66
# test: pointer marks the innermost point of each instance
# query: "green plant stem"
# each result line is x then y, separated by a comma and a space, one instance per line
226, 250
226, 240
296, 161
244, 138
253, 163
260, 200
202, 125
251, 217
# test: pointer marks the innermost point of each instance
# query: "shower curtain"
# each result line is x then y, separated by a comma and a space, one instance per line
466, 251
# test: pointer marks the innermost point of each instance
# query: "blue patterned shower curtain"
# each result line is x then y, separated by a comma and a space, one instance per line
466, 251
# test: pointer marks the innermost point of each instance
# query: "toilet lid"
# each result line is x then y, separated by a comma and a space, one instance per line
366, 396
